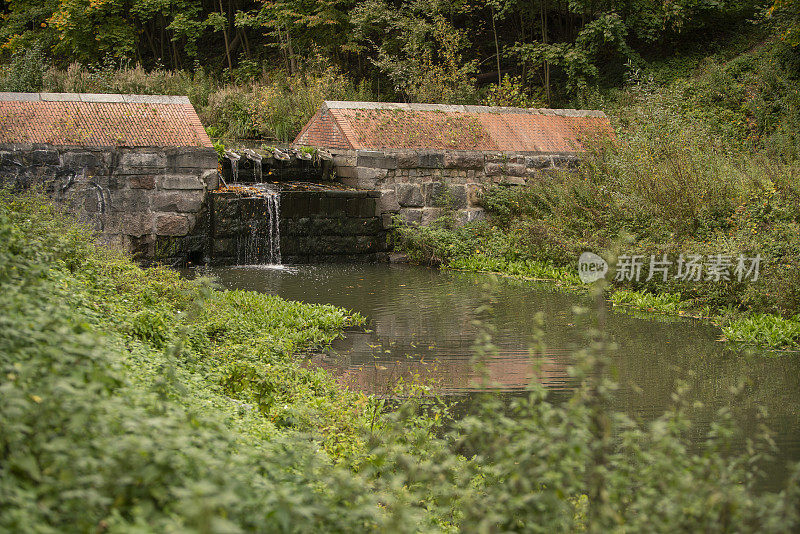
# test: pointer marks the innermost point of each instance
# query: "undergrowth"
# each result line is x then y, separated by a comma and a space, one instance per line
132, 400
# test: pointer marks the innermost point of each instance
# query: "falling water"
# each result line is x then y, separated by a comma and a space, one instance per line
262, 244
255, 157
234, 159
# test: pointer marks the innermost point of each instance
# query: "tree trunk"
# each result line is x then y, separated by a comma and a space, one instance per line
225, 36
497, 49
546, 63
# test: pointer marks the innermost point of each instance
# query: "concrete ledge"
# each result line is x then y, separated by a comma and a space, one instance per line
338, 104
94, 97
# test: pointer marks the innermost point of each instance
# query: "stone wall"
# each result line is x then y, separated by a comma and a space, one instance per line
148, 201
331, 226
420, 184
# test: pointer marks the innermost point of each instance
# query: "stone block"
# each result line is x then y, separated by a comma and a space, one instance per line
411, 215
360, 183
538, 162
211, 179
469, 215
493, 169
463, 160
181, 181
458, 196
314, 204
345, 160
387, 220
294, 205
195, 158
130, 200
430, 160
507, 159
78, 160
406, 159
435, 194
150, 160
347, 172
377, 160
368, 207
336, 206
409, 195
141, 247
388, 201
515, 169
136, 224
178, 201
173, 224
430, 214
142, 181
371, 175
40, 158
474, 193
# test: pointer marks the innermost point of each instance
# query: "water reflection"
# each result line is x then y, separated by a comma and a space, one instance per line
421, 325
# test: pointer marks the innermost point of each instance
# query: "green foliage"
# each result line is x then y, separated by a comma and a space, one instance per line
220, 430
662, 302
25, 72
761, 329
417, 48
100, 428
511, 91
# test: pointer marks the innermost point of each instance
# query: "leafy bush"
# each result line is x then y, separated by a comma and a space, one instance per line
222, 431
25, 72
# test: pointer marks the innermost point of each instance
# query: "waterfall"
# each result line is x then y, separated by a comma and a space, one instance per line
262, 244
255, 157
234, 159
274, 212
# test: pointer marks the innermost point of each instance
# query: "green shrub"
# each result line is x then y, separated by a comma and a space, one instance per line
25, 72
220, 430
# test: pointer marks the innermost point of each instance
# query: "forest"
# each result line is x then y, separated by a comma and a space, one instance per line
258, 69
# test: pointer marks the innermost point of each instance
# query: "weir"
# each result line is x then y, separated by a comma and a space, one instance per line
277, 208
260, 242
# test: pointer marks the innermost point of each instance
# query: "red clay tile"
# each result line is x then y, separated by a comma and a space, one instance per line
118, 123
368, 125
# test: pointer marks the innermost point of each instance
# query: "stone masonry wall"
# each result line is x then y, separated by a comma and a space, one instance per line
418, 184
331, 226
148, 201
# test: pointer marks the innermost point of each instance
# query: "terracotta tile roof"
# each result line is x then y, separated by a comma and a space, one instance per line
373, 125
100, 120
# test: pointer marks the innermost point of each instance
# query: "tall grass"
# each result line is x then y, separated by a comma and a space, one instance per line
272, 106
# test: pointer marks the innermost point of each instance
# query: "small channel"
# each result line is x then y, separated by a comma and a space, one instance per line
421, 323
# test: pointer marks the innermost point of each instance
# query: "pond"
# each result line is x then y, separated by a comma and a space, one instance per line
421, 326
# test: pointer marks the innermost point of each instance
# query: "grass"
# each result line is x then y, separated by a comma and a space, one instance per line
661, 303
765, 330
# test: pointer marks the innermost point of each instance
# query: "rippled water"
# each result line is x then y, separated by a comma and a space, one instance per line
420, 323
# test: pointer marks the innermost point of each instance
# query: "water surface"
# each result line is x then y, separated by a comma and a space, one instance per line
421, 326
